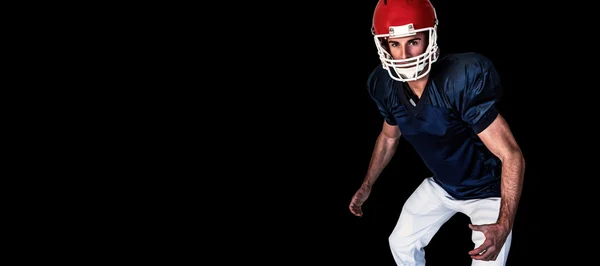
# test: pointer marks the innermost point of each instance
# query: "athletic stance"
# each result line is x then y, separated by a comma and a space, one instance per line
445, 107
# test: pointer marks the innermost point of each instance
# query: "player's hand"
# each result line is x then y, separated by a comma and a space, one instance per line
358, 199
495, 236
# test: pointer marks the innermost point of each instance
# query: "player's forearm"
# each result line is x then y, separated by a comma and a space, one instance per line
513, 169
384, 150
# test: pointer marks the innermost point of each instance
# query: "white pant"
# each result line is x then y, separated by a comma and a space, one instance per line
426, 210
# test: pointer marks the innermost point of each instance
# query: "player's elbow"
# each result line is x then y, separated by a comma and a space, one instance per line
513, 156
392, 137
390, 141
390, 133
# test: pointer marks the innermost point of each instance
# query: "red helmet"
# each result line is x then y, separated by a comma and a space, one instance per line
402, 18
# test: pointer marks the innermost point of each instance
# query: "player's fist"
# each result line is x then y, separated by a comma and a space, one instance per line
358, 199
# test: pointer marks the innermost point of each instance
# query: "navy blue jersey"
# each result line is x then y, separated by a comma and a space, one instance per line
459, 101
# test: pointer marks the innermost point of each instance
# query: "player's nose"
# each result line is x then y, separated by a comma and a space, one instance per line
401, 54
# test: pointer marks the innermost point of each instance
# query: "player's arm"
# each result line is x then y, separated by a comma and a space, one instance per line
499, 139
385, 147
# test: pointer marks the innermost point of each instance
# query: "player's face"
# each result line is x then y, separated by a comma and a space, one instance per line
407, 47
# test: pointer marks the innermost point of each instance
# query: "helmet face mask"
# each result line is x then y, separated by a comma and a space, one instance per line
402, 18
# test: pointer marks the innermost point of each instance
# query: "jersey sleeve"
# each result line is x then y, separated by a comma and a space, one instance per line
478, 105
378, 96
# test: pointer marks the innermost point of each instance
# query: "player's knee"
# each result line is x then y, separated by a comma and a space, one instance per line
400, 244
